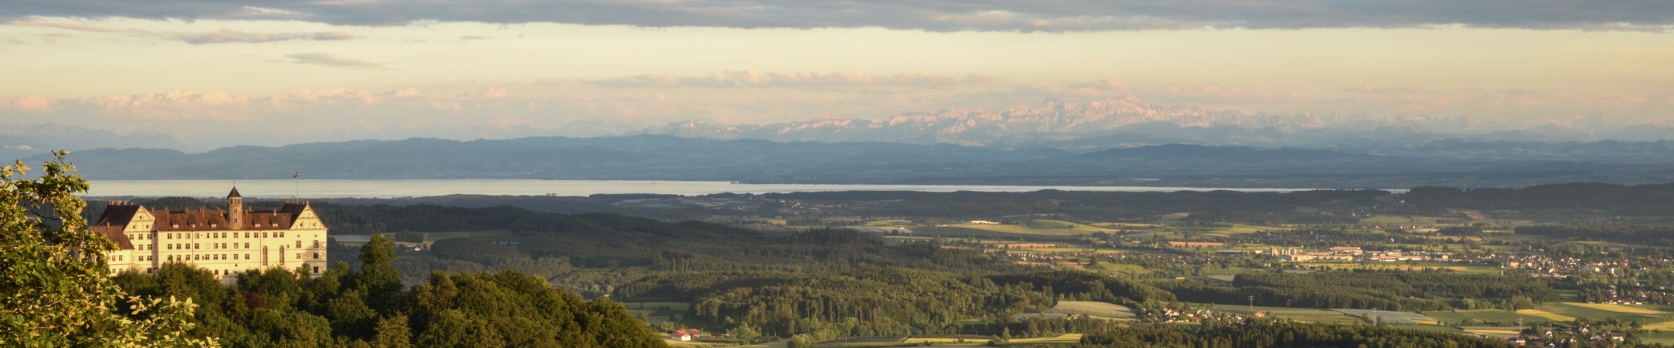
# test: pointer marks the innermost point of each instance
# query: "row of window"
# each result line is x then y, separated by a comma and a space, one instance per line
220, 272
223, 235
183, 246
219, 257
143, 236
200, 257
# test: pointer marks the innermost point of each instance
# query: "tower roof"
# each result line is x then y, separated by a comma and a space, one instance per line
234, 193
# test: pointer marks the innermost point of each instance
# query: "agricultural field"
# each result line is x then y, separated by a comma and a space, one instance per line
1601, 311
1033, 227
1092, 308
656, 312
1323, 317
1242, 308
494, 235
1545, 314
1388, 316
1488, 315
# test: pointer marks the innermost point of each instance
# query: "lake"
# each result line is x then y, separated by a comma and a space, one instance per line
519, 187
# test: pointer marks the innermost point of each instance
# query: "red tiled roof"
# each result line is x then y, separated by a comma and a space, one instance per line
114, 234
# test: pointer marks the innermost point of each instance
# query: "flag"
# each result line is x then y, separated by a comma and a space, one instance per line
295, 175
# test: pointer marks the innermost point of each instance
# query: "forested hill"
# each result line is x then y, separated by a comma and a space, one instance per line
369, 307
1633, 200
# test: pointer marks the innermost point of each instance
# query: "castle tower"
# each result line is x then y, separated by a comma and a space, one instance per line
235, 210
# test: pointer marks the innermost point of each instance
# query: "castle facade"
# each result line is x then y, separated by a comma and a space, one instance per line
224, 242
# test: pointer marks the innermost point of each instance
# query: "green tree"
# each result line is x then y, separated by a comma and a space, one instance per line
745, 332
55, 283
393, 333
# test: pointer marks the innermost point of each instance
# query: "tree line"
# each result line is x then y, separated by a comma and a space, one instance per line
369, 307
1388, 290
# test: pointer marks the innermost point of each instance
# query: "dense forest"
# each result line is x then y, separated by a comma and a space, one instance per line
1387, 290
369, 307
1283, 334
1638, 200
1103, 206
1659, 235
878, 301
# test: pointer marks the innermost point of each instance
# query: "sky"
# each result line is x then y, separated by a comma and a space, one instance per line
218, 73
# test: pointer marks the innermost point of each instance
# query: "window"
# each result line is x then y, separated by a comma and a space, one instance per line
299, 245
298, 256
264, 234
246, 256
246, 245
316, 256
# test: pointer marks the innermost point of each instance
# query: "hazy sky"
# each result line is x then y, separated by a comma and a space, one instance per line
312, 70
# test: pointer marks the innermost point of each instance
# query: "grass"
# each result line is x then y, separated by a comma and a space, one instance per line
1573, 309
1665, 337
1246, 307
484, 235
1041, 227
1545, 314
1618, 308
1334, 318
653, 315
1490, 315
959, 231
1664, 326
1093, 308
1066, 338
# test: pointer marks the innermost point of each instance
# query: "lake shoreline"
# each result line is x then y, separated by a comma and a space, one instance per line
324, 188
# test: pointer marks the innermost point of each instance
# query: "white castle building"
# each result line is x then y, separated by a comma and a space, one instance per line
224, 242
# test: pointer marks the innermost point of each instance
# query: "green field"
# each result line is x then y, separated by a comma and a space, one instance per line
495, 235
1334, 318
1597, 312
1247, 307
1485, 315
653, 311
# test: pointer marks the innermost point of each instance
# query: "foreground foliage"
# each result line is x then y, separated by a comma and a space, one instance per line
369, 308
55, 288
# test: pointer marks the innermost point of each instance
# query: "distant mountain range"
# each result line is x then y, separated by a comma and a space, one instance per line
1128, 122
18, 141
661, 157
1106, 142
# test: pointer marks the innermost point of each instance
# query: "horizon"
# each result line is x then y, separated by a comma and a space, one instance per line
212, 76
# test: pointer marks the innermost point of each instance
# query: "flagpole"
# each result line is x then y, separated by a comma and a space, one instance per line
298, 179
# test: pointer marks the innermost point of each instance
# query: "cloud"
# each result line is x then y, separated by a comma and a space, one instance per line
1387, 90
934, 15
781, 79
28, 103
228, 35
196, 38
327, 59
